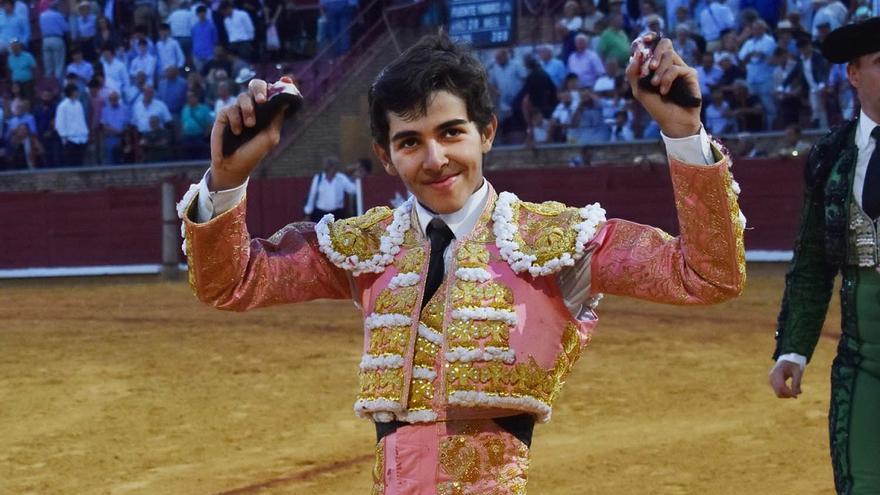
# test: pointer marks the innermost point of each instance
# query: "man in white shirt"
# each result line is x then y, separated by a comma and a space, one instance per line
328, 192
715, 19
181, 22
143, 62
115, 74
168, 49
148, 106
239, 29
70, 124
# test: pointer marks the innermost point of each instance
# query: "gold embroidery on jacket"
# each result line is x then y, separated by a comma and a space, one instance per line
399, 301
389, 340
381, 384
379, 470
421, 393
490, 294
359, 236
545, 230
473, 255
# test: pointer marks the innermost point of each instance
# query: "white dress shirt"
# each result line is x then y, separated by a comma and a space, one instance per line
239, 26
170, 53
70, 122
328, 195
141, 113
574, 281
865, 144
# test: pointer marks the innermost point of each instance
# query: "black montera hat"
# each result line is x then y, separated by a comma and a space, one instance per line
849, 42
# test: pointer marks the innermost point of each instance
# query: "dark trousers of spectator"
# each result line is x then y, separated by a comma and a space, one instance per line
243, 49
319, 214
112, 150
73, 154
186, 45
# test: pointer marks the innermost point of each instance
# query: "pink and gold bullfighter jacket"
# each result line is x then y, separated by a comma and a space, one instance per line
496, 339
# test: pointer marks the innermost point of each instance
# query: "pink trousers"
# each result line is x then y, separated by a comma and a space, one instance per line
472, 457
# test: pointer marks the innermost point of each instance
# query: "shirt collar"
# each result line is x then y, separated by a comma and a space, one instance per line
461, 222
863, 133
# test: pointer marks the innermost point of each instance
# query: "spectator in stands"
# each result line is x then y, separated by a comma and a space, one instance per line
840, 91
562, 116
785, 37
614, 41
204, 39
54, 28
23, 148
608, 100
571, 20
685, 46
79, 66
114, 121
20, 116
715, 20
584, 62
552, 65
145, 15
730, 71
196, 122
181, 22
220, 61
44, 115
168, 50
239, 30
139, 34
244, 76
195, 84
144, 62
135, 91
115, 74
506, 79
539, 129
719, 119
621, 130
12, 27
747, 108
105, 35
760, 42
96, 100
70, 123
592, 16
339, 14
709, 74
21, 68
172, 90
830, 13
792, 144
254, 10
224, 98
809, 76
156, 141
148, 106
587, 124
83, 28
538, 91
327, 192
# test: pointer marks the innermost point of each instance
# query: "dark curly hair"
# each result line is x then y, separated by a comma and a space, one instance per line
435, 63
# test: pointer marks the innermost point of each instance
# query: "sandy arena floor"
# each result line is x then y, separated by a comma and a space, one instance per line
131, 386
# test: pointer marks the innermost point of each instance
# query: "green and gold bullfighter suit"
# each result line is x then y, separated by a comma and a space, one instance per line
836, 236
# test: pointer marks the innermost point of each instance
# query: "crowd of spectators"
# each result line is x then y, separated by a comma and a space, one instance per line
759, 63
127, 81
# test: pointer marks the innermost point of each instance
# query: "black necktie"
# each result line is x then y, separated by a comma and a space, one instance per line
440, 236
871, 191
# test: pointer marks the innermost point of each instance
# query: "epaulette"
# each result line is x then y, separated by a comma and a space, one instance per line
541, 238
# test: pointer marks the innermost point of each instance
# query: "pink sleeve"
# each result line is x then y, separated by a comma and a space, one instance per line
705, 264
229, 270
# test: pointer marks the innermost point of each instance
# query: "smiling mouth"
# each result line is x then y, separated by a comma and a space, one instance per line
443, 181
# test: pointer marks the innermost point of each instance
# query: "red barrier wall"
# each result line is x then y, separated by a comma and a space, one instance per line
123, 226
